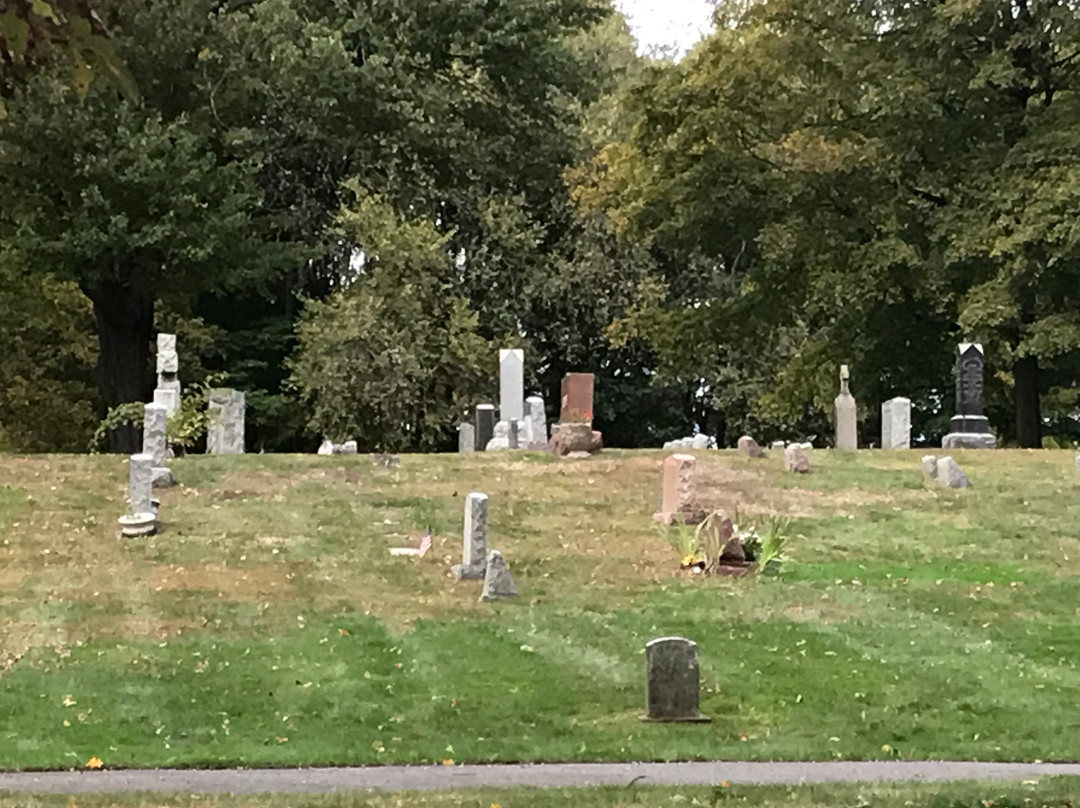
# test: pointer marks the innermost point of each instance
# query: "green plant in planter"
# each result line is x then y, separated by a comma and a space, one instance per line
773, 542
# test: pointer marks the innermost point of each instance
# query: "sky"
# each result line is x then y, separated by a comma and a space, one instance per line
666, 23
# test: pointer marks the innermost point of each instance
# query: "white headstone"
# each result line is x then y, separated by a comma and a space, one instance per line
167, 359
511, 384
846, 415
536, 417
473, 557
141, 482
225, 434
896, 423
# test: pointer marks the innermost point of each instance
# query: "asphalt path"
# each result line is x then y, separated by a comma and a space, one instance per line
542, 775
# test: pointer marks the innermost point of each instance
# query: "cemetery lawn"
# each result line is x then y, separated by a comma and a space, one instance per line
1047, 793
267, 625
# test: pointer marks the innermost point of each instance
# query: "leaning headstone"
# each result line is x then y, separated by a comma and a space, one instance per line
485, 425
795, 460
749, 447
225, 434
466, 438
511, 384
536, 431
141, 483
678, 498
896, 423
473, 559
846, 415
969, 428
674, 681
498, 583
167, 391
929, 466
950, 475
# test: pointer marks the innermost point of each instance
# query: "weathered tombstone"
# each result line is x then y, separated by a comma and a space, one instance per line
536, 418
701, 441
749, 447
896, 423
969, 428
577, 398
678, 502
847, 437
473, 559
326, 447
348, 447
950, 475
155, 443
777, 444
511, 384
225, 434
141, 482
929, 466
485, 425
795, 460
466, 438
498, 583
167, 391
501, 438
674, 681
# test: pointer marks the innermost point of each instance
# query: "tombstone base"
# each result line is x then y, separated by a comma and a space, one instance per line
697, 719
469, 572
969, 440
138, 524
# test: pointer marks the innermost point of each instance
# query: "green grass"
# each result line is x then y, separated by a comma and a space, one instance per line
268, 625
1048, 793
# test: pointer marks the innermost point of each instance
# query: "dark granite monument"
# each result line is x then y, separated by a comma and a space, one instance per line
673, 680
969, 428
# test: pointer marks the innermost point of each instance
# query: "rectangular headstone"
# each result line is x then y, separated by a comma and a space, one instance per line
466, 438
473, 556
674, 680
155, 443
141, 482
167, 359
485, 425
577, 399
536, 433
896, 423
511, 384
678, 498
225, 433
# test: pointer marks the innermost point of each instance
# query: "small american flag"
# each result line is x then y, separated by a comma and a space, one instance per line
425, 543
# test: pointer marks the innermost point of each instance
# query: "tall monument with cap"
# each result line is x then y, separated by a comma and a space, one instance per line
847, 434
969, 428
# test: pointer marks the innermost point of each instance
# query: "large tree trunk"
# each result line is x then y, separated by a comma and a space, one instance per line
1026, 401
125, 325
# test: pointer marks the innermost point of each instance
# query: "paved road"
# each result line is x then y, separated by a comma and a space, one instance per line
551, 775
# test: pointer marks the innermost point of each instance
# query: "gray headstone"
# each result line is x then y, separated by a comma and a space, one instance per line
485, 425
950, 475
225, 434
169, 398
167, 359
348, 447
466, 438
140, 483
498, 583
511, 384
155, 442
473, 558
929, 465
795, 459
749, 447
969, 428
674, 681
537, 432
896, 423
847, 437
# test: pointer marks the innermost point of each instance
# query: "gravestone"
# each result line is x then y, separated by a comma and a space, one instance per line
749, 447
141, 483
795, 459
511, 384
969, 428
225, 433
950, 475
155, 443
485, 425
326, 447
847, 437
501, 438
473, 559
678, 503
466, 441
929, 466
673, 681
536, 433
777, 444
577, 399
514, 434
167, 392
896, 423
498, 583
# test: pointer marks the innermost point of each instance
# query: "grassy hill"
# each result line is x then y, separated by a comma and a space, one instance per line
268, 625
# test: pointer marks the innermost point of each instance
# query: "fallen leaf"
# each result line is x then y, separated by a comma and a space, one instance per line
94, 763
447, 762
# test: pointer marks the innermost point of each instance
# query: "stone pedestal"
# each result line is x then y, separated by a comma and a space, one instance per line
226, 410
847, 436
473, 559
485, 425
896, 423
678, 499
969, 428
673, 681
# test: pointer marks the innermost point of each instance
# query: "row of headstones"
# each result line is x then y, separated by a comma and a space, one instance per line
149, 468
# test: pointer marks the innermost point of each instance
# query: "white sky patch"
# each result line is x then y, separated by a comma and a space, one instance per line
671, 25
